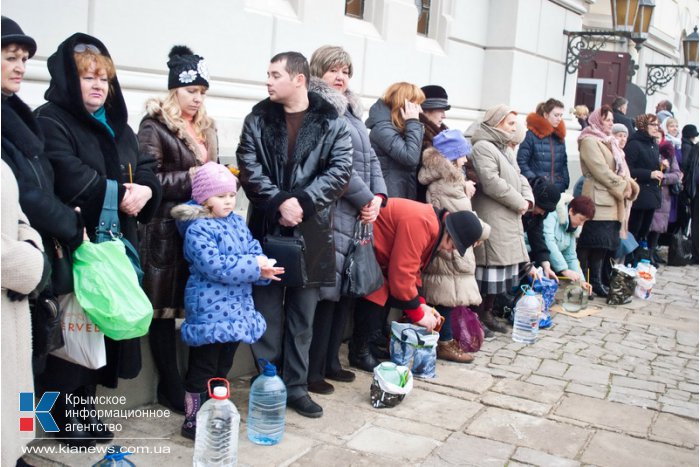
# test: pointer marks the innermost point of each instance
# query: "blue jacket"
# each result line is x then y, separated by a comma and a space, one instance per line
543, 152
561, 244
222, 255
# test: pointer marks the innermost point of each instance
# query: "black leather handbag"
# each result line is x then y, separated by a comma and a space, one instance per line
289, 253
361, 272
61, 269
46, 328
680, 250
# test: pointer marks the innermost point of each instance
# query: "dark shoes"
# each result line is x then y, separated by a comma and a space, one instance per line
600, 290
360, 357
343, 376
320, 387
306, 407
494, 323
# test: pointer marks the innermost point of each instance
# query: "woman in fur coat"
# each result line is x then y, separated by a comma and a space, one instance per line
449, 279
331, 70
543, 153
177, 132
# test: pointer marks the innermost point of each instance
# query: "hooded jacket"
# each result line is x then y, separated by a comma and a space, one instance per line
642, 156
84, 155
543, 152
82, 151
398, 153
318, 174
560, 242
449, 278
222, 255
365, 182
167, 141
503, 192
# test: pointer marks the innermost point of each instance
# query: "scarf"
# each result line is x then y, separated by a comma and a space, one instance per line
595, 130
675, 140
101, 116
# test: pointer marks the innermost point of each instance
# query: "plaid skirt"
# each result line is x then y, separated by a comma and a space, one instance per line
494, 280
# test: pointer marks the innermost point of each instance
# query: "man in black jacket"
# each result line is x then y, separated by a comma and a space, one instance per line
295, 158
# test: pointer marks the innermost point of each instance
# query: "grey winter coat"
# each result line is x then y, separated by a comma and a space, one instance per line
398, 153
503, 193
449, 278
365, 182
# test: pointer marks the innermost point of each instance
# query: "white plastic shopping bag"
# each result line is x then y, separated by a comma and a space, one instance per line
84, 342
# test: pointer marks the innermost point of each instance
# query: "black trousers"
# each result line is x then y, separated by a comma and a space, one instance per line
694, 227
639, 223
329, 326
208, 361
369, 320
289, 313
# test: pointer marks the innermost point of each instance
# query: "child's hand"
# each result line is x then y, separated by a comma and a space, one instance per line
271, 272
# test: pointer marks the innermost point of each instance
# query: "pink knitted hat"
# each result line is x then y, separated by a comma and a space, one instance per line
212, 179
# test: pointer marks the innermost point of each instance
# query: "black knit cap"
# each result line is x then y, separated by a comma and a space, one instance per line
546, 195
12, 34
689, 131
464, 229
435, 98
186, 68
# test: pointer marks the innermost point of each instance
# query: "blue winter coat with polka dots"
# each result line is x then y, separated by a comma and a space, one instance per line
222, 255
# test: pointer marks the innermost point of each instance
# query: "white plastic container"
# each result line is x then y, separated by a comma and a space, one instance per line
526, 317
267, 406
218, 421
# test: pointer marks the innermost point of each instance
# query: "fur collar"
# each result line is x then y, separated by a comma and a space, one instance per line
188, 212
154, 110
341, 102
542, 128
313, 127
20, 127
436, 167
563, 208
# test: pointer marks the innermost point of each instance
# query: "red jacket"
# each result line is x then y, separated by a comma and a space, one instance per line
405, 236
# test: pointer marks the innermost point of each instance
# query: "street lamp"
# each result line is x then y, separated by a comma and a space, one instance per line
659, 75
630, 20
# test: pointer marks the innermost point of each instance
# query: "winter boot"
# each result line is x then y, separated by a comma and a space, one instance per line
596, 268
96, 427
486, 317
450, 351
162, 339
379, 345
193, 402
360, 356
65, 415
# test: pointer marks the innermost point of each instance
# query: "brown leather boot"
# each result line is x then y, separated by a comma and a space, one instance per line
450, 351
486, 317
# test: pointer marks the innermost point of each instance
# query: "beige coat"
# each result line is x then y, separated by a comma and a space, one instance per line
608, 190
22, 266
501, 192
449, 279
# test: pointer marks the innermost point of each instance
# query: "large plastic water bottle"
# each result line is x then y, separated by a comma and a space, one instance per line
527, 316
267, 406
216, 441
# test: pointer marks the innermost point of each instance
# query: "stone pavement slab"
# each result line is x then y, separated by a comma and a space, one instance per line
606, 414
464, 450
625, 451
675, 430
392, 444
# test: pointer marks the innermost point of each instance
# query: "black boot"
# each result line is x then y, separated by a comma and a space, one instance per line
486, 317
97, 429
171, 391
66, 416
360, 356
379, 345
596, 268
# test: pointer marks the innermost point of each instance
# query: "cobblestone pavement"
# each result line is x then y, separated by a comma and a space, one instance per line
619, 388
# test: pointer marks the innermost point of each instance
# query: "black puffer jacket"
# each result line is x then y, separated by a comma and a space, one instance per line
84, 155
642, 155
317, 176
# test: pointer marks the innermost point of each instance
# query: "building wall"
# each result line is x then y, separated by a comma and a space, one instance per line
484, 52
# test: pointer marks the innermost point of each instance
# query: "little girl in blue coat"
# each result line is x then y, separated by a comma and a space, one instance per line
225, 261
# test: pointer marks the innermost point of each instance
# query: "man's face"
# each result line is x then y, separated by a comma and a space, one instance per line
280, 86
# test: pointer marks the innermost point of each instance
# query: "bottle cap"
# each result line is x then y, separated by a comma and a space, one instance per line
269, 369
220, 393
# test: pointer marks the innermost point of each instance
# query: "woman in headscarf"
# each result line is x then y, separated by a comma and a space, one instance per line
504, 195
608, 183
88, 142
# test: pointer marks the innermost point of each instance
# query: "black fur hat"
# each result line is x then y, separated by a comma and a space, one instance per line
186, 68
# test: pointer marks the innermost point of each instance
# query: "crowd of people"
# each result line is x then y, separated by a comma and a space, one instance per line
457, 218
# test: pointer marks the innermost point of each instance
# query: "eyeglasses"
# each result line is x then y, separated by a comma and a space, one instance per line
653, 124
82, 48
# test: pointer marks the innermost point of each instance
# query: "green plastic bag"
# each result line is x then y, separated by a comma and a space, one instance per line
107, 288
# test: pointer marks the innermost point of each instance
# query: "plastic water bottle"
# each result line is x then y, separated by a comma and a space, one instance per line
390, 373
527, 316
216, 441
267, 406
115, 458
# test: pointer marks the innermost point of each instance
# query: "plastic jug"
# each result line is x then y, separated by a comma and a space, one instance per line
527, 316
267, 406
216, 442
